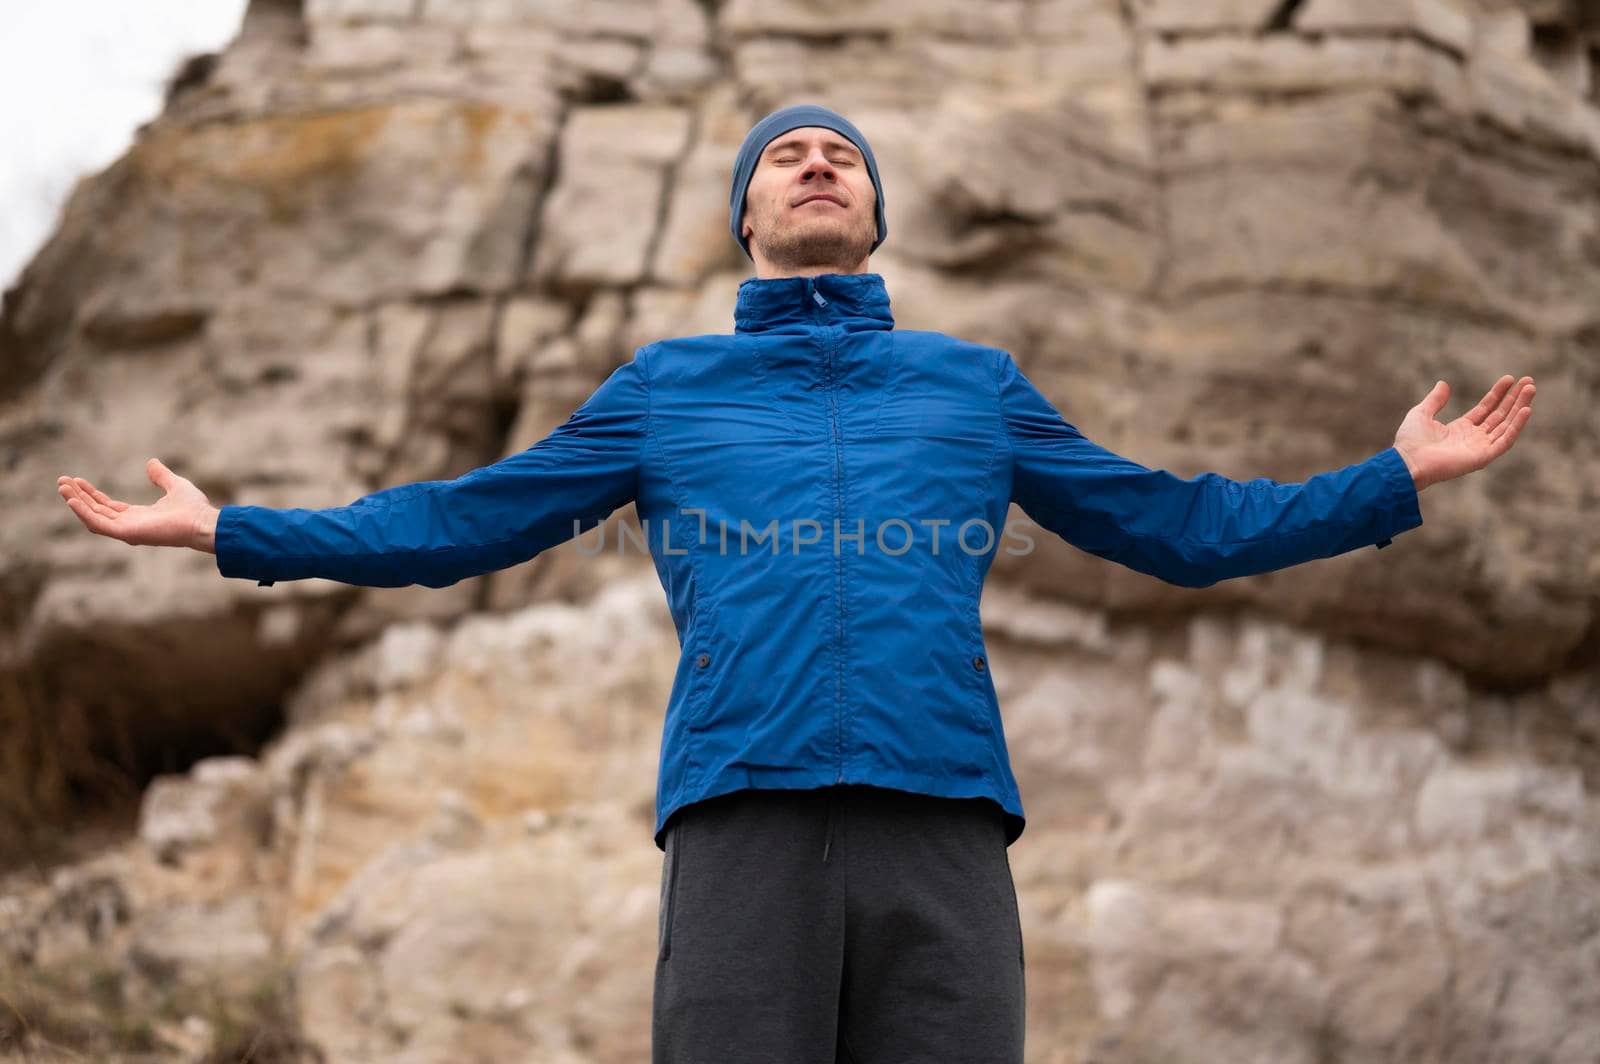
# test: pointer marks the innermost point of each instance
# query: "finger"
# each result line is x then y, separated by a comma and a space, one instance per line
1489, 402
1505, 406
1437, 396
1524, 397
93, 521
1510, 423
159, 474
1501, 443
83, 489
101, 497
73, 504
69, 491
74, 494
1522, 394
1517, 418
85, 493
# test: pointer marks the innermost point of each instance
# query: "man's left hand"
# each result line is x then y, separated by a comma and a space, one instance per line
1435, 452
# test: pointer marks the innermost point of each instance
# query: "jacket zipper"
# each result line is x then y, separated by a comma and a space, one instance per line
838, 561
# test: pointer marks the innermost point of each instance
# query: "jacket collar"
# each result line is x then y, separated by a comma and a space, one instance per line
854, 301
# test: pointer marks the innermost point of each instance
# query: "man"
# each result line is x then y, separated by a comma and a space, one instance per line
823, 495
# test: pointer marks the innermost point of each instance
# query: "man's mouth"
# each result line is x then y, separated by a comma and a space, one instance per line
821, 196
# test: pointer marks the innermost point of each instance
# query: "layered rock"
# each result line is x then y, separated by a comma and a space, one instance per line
1245, 840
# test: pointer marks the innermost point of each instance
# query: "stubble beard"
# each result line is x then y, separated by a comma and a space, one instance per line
805, 243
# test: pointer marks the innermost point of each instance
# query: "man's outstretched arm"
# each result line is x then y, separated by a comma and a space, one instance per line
1197, 531
432, 533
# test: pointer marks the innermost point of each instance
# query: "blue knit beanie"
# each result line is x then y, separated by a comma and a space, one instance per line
763, 133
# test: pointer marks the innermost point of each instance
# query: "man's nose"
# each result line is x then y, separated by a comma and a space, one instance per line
817, 165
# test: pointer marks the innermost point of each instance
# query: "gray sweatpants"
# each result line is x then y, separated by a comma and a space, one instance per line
842, 925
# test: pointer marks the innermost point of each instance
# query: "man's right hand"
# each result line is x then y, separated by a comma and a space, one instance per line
183, 517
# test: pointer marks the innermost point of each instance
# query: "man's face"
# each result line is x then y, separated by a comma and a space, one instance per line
810, 204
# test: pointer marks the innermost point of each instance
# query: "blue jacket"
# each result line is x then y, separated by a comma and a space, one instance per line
822, 495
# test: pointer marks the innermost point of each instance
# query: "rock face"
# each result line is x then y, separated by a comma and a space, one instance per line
1340, 813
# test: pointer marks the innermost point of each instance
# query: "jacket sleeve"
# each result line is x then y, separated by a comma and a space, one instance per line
1197, 531
437, 532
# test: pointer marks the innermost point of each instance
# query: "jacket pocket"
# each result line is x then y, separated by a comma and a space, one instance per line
1016, 912
983, 705
701, 664
669, 889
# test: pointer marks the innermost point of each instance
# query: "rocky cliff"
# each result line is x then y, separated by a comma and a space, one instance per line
1343, 812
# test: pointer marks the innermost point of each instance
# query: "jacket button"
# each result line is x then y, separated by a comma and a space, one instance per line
977, 663
703, 660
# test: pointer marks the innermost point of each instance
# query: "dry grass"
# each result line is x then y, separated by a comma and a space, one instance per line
58, 1016
51, 771
103, 1014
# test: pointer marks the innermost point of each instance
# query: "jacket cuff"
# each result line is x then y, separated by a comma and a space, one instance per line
232, 559
1400, 508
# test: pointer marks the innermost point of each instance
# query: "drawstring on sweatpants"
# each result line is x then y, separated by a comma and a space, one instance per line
828, 834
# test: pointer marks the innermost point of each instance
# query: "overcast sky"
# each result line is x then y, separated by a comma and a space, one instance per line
76, 78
